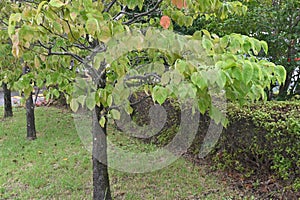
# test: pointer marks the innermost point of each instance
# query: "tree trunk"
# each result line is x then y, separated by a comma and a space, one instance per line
100, 171
7, 101
283, 90
31, 132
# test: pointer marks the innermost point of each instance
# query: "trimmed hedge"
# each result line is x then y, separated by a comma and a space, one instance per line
261, 138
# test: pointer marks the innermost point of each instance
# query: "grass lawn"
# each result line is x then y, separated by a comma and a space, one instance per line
57, 166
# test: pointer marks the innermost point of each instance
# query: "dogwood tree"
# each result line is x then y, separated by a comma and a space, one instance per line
110, 39
7, 61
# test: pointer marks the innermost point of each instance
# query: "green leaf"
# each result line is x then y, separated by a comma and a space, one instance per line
221, 80
87, 4
56, 93
102, 121
90, 101
128, 109
92, 26
36, 62
204, 101
12, 22
258, 91
131, 4
16, 17
206, 33
81, 99
73, 16
207, 44
281, 74
140, 4
216, 114
109, 100
165, 78
248, 71
56, 3
115, 114
197, 35
235, 44
198, 80
160, 94
187, 91
188, 21
74, 105
57, 27
224, 41
40, 7
264, 45
257, 71
255, 45
181, 66
228, 63
237, 73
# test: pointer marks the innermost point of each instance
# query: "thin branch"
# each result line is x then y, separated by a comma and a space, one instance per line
70, 29
140, 101
80, 46
3, 22
138, 80
137, 16
109, 6
50, 31
120, 14
297, 21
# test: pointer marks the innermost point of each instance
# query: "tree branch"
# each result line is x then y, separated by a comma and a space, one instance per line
120, 14
142, 79
3, 22
109, 6
137, 16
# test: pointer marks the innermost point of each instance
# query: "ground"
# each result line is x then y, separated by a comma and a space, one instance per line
58, 166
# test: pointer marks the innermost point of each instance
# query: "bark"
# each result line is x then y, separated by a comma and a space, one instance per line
100, 172
30, 119
283, 90
7, 101
295, 83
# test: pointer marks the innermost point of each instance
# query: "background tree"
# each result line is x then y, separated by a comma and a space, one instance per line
277, 23
7, 62
55, 32
12, 74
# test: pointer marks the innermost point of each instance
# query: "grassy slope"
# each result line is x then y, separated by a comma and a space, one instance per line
57, 166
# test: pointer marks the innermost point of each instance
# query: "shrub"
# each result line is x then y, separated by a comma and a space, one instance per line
263, 138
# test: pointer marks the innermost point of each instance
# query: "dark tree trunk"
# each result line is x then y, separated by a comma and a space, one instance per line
283, 90
100, 171
7, 101
31, 132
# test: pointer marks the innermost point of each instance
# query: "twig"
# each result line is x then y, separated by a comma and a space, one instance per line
109, 6
137, 16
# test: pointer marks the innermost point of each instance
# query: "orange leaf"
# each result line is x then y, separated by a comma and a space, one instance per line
179, 3
165, 21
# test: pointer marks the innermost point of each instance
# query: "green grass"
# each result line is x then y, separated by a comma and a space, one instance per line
57, 165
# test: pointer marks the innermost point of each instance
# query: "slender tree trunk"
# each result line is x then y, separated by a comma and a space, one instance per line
7, 101
283, 90
100, 171
31, 132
